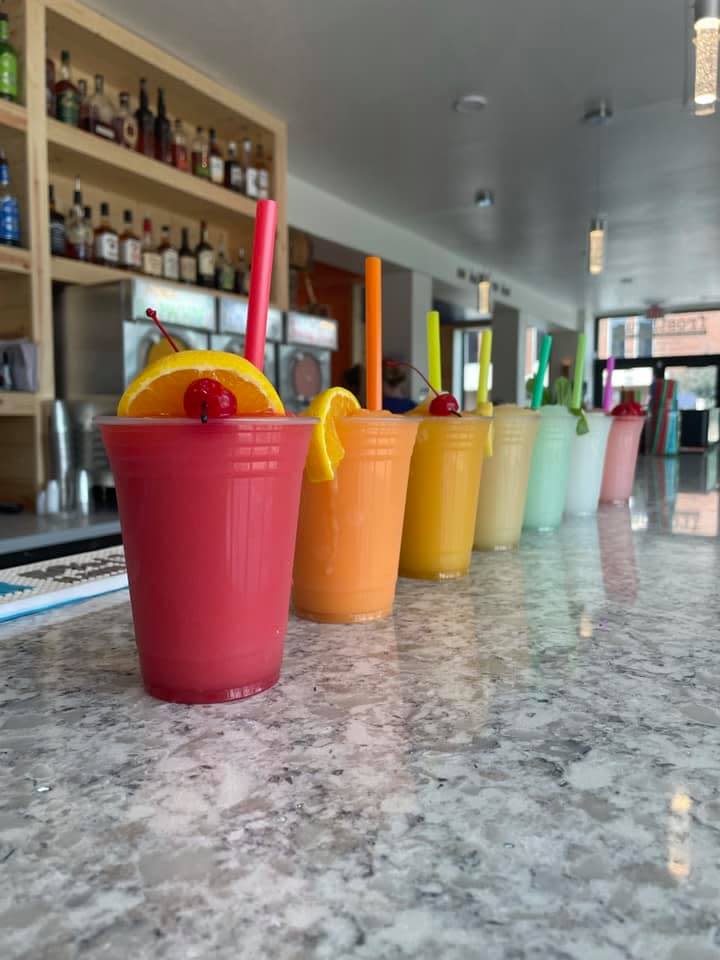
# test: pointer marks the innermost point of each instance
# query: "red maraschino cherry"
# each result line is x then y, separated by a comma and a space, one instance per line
205, 399
442, 404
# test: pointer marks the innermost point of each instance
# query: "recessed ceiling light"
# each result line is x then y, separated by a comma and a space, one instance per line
484, 198
598, 114
470, 103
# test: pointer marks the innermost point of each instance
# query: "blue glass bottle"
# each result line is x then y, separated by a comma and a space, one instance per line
9, 208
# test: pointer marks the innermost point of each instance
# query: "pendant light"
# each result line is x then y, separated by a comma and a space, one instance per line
484, 296
707, 37
596, 245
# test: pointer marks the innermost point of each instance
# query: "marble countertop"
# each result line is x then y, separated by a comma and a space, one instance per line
520, 765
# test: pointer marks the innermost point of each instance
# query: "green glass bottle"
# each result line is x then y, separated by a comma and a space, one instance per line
8, 62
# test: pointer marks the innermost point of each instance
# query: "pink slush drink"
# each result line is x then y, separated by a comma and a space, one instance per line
208, 514
621, 457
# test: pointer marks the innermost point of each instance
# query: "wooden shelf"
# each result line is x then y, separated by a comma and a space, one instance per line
64, 270
18, 404
15, 259
13, 115
73, 152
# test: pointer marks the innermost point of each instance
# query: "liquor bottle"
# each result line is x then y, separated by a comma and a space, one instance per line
205, 259
263, 174
9, 207
151, 259
241, 273
224, 271
251, 178
169, 256
89, 236
8, 62
216, 164
188, 261
50, 87
106, 239
233, 169
84, 108
57, 227
130, 251
145, 123
126, 131
163, 139
67, 98
75, 237
102, 116
199, 160
178, 141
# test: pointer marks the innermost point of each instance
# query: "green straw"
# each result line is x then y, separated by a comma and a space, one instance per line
541, 371
578, 373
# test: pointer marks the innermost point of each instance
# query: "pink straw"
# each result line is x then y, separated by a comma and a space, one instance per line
607, 391
260, 277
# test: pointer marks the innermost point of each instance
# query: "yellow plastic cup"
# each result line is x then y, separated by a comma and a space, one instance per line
442, 497
504, 483
349, 530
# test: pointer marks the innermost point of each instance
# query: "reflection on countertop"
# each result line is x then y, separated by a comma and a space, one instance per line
679, 495
521, 764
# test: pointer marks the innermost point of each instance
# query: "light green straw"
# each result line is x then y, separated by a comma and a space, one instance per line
541, 371
578, 373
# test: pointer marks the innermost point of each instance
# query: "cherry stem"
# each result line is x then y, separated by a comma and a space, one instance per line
404, 363
204, 412
156, 320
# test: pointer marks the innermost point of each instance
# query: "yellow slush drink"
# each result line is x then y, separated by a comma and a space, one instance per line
503, 487
442, 497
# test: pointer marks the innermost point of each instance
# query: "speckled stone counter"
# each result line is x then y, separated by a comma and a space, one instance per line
524, 764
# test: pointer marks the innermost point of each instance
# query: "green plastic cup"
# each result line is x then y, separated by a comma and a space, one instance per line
549, 469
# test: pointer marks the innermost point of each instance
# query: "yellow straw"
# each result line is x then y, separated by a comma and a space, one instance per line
433, 343
484, 375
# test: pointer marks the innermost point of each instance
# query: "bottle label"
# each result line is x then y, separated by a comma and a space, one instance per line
251, 182
227, 278
9, 221
152, 263
106, 247
263, 184
68, 107
8, 75
126, 131
236, 176
102, 130
188, 269
57, 238
206, 263
130, 253
170, 264
216, 169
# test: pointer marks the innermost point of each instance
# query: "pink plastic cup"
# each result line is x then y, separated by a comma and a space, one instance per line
621, 459
208, 515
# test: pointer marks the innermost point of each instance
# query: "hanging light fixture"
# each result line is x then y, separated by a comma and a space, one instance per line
596, 245
484, 296
707, 38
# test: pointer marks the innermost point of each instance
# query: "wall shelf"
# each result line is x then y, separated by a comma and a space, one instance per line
17, 404
13, 115
15, 259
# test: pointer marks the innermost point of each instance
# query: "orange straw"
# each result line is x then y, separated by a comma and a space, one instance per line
373, 331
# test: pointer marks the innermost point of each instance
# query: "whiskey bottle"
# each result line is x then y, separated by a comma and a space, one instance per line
145, 123
241, 273
250, 172
224, 271
75, 233
106, 239
216, 164
130, 250
151, 259
57, 227
67, 97
199, 160
126, 131
263, 174
178, 141
84, 108
233, 169
163, 140
169, 256
188, 261
101, 111
88, 235
205, 259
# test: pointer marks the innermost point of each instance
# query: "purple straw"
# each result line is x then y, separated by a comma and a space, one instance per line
607, 391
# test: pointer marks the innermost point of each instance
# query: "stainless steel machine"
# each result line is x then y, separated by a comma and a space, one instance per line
304, 360
232, 323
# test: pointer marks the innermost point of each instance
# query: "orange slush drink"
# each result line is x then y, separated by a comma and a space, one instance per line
504, 483
348, 541
442, 496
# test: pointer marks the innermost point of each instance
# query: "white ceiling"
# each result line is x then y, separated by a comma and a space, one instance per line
367, 86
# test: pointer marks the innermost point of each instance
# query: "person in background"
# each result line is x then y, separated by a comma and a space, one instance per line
395, 389
352, 380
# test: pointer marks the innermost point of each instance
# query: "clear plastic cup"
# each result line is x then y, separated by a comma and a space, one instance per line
621, 459
504, 481
549, 467
587, 459
442, 497
348, 543
208, 515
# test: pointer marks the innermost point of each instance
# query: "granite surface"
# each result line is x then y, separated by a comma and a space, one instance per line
524, 764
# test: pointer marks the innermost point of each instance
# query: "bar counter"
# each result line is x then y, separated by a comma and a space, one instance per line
521, 764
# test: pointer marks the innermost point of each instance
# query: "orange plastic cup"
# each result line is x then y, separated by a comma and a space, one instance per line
348, 541
442, 497
621, 459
